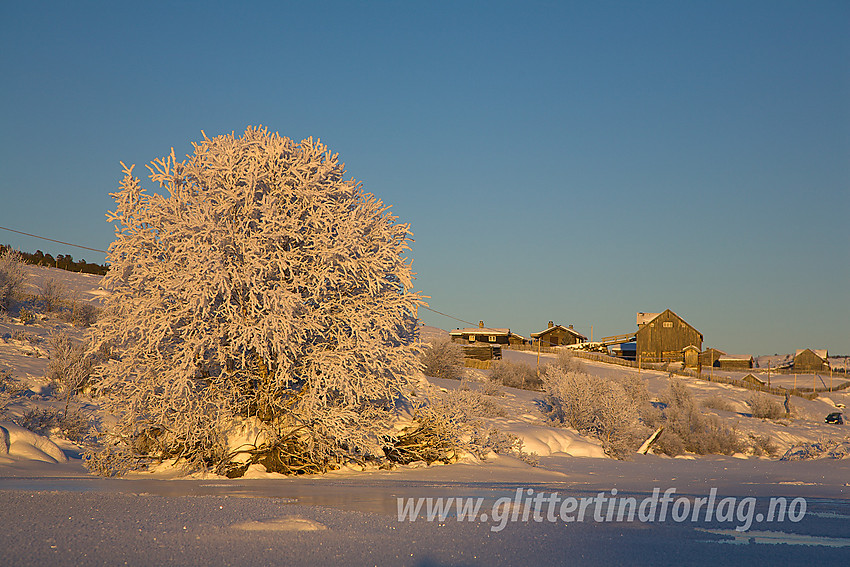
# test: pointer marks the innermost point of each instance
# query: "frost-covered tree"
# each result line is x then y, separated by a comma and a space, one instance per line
13, 275
259, 290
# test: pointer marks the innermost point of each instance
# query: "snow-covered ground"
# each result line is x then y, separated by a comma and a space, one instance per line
52, 511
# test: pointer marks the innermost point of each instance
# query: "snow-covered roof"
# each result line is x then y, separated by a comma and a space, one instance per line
735, 357
821, 352
644, 318
480, 331
554, 327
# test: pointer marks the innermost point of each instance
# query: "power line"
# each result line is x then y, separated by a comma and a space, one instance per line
449, 316
52, 240
105, 252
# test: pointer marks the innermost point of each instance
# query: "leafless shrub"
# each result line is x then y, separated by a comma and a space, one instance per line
12, 277
717, 403
568, 362
111, 460
39, 420
69, 367
490, 388
9, 389
80, 314
763, 406
603, 408
503, 443
443, 359
686, 428
26, 315
762, 445
51, 294
516, 375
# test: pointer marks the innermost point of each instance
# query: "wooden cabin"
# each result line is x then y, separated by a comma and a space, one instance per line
662, 337
556, 335
488, 335
752, 379
710, 356
811, 360
735, 361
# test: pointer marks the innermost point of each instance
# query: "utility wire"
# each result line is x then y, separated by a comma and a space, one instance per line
51, 240
447, 315
105, 252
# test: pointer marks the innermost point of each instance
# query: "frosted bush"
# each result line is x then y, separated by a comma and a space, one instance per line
568, 362
68, 367
687, 428
603, 408
443, 358
718, 403
51, 294
764, 406
260, 284
12, 277
516, 375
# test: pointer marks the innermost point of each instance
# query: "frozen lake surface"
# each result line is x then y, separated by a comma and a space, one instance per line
71, 518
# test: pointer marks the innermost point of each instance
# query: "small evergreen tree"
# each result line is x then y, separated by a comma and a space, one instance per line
263, 288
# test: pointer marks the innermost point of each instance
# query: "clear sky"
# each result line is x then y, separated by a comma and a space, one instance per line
567, 161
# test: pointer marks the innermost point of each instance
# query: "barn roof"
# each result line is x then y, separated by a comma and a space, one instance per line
728, 357
819, 352
646, 318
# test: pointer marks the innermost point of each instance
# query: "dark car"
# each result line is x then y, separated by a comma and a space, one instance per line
835, 417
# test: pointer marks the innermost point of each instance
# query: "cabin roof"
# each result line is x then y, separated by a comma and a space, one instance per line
555, 327
480, 331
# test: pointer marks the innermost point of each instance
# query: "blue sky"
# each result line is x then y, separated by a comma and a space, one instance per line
566, 161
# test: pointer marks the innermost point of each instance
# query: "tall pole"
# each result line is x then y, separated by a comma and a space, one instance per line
539, 340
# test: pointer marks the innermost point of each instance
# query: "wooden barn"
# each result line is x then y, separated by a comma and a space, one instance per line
482, 334
662, 337
735, 361
811, 360
710, 356
556, 335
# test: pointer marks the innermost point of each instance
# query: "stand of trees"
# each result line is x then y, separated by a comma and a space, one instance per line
63, 261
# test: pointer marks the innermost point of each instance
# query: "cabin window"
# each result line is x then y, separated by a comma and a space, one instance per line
492, 338
472, 338
668, 324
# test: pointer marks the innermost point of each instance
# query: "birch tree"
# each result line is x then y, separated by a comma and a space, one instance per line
260, 286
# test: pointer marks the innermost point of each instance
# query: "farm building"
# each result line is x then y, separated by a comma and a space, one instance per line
690, 357
482, 334
811, 360
710, 356
734, 361
662, 337
555, 335
752, 379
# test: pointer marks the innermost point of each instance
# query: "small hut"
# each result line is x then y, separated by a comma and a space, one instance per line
710, 356
690, 357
